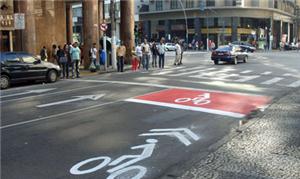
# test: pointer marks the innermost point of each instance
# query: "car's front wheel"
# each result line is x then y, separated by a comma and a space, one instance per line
5, 81
235, 61
52, 76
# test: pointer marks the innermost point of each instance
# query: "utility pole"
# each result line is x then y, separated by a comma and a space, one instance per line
113, 33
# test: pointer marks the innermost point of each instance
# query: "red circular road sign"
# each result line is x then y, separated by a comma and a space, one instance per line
103, 27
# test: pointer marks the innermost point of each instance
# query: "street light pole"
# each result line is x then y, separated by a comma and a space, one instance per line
186, 23
207, 34
113, 33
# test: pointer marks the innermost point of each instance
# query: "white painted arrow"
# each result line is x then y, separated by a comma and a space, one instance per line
77, 98
29, 92
174, 132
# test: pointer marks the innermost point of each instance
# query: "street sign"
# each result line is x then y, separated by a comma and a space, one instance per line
221, 103
103, 27
19, 21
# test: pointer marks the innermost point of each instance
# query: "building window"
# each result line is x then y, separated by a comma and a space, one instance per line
228, 2
210, 3
159, 5
189, 3
174, 4
255, 3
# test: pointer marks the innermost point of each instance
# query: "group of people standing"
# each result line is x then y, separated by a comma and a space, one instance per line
67, 56
145, 49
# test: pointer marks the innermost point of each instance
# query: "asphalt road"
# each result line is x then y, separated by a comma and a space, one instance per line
74, 126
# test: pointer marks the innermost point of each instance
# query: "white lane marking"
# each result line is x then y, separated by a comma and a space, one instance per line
186, 130
246, 71
287, 74
194, 68
29, 92
191, 72
161, 86
272, 81
78, 98
47, 94
178, 106
295, 84
56, 115
266, 73
247, 78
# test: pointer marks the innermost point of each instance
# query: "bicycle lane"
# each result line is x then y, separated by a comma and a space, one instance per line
50, 149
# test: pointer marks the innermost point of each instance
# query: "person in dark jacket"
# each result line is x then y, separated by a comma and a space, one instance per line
63, 60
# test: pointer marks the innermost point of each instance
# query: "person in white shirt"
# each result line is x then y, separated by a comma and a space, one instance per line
177, 53
93, 54
161, 53
139, 54
146, 54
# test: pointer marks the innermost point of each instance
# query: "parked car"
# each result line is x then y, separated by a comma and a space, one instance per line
245, 46
170, 47
229, 53
21, 66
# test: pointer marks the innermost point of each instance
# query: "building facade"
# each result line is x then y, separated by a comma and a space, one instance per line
223, 21
28, 25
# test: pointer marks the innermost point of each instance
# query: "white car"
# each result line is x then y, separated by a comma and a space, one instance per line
170, 47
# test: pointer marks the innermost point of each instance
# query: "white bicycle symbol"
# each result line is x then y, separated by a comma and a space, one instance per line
199, 100
119, 169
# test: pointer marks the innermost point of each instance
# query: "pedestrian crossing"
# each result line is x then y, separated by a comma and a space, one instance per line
230, 74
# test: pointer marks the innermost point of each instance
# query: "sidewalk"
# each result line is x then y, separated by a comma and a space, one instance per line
266, 147
84, 73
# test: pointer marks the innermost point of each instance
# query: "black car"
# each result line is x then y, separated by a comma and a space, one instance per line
245, 46
21, 66
229, 53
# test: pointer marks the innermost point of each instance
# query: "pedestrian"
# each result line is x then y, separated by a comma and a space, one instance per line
139, 54
121, 52
75, 53
281, 46
69, 59
181, 54
212, 45
197, 45
43, 54
177, 53
62, 58
298, 45
154, 54
134, 61
93, 57
146, 54
54, 52
161, 53
102, 57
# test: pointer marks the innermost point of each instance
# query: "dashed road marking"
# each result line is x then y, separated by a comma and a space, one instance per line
272, 81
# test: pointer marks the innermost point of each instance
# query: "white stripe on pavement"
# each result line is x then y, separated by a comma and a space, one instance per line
247, 78
272, 81
246, 71
295, 84
178, 106
191, 72
266, 73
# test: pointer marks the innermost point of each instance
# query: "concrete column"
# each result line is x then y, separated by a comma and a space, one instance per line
127, 26
69, 22
288, 32
90, 28
101, 15
26, 37
167, 29
234, 32
281, 30
197, 28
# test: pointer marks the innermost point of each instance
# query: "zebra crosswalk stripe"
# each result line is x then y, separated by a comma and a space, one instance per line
191, 72
266, 73
272, 81
246, 71
295, 84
